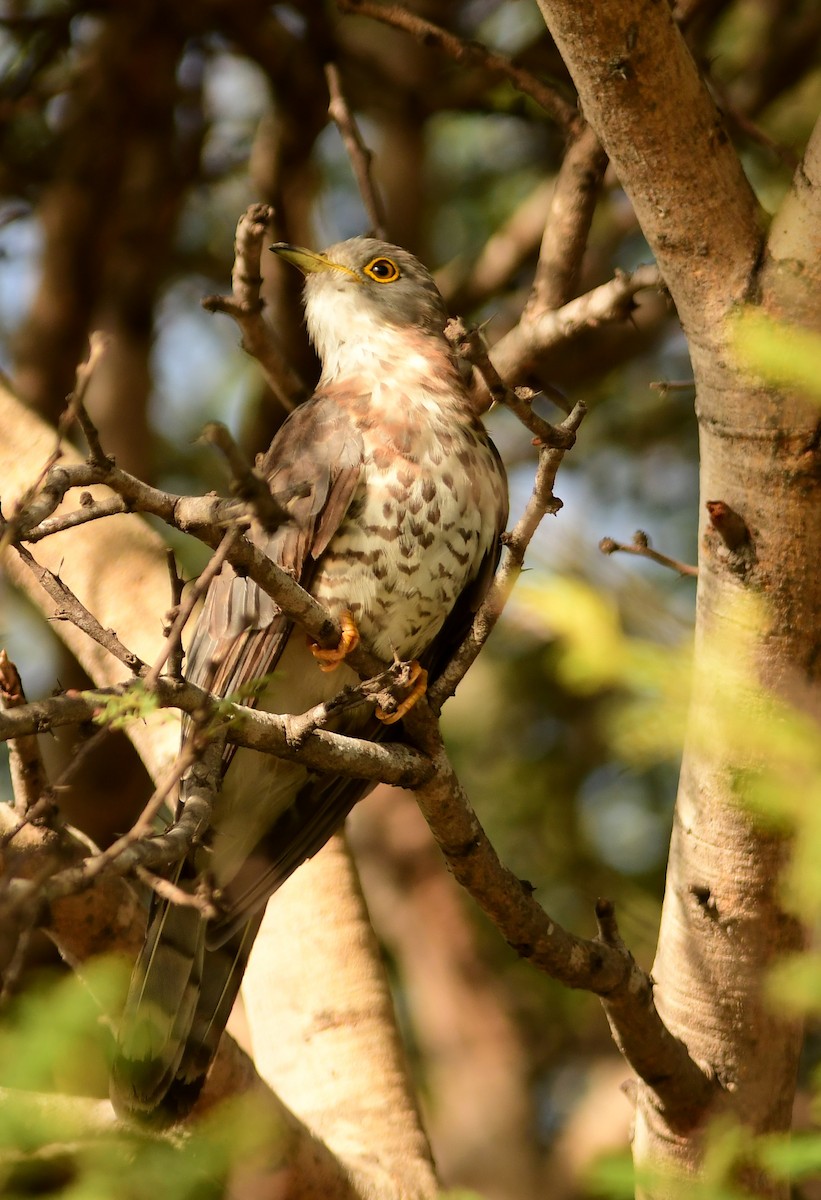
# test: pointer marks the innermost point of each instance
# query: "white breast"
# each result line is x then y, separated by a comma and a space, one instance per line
413, 539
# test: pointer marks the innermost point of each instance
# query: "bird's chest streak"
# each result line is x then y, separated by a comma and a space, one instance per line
411, 540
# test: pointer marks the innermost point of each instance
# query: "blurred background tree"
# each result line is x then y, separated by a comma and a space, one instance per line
132, 137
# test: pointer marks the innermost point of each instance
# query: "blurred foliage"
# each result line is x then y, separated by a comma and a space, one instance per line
53, 1039
736, 1165
781, 354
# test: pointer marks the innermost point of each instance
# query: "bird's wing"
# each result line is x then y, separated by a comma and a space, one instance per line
182, 989
321, 801
313, 468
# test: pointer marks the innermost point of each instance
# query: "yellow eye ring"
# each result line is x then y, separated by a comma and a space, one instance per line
382, 270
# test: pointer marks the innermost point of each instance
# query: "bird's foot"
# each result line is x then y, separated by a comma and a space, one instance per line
418, 680
329, 660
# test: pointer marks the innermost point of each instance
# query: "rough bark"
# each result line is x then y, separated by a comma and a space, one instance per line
723, 923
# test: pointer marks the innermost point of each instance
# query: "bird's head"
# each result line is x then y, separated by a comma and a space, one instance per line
364, 297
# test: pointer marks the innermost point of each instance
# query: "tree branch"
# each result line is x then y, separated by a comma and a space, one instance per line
173, 639
285, 736
245, 305
683, 1089
568, 222
641, 547
70, 609
537, 331
247, 484
638, 83
29, 782
550, 99
604, 966
791, 272
358, 153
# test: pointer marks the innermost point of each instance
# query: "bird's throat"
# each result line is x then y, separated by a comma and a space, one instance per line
354, 343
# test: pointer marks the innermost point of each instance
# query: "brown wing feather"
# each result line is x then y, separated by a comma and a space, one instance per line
313, 467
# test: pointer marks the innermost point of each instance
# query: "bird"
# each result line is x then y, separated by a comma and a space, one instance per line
396, 500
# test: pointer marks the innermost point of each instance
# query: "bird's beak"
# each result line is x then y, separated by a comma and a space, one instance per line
309, 262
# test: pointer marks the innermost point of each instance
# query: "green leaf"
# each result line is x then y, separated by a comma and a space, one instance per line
794, 984
134, 704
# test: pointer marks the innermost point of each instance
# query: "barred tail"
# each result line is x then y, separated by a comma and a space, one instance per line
179, 1001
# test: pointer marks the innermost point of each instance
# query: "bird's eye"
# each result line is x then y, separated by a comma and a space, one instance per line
382, 270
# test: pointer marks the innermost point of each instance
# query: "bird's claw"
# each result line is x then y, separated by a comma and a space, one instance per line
329, 660
418, 679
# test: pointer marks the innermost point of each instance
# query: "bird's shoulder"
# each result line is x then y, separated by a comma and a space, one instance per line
322, 428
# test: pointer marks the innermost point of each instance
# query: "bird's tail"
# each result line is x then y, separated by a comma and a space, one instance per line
178, 1003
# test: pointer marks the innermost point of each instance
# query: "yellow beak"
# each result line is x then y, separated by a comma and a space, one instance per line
309, 262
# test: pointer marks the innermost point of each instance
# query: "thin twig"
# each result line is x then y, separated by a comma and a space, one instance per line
23, 898
175, 658
672, 385
550, 99
246, 483
95, 864
733, 115
36, 501
166, 890
79, 754
471, 345
75, 406
69, 608
361, 157
245, 305
640, 546
97, 510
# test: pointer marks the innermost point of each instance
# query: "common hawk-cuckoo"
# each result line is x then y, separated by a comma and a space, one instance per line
396, 501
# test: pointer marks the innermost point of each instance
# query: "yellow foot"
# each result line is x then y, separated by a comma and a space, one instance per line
329, 660
419, 679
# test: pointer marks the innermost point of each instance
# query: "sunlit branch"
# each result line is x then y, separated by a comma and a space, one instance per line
539, 331
568, 222
286, 736
245, 306
641, 547
29, 782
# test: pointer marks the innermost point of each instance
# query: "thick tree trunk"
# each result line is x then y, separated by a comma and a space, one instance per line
723, 924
